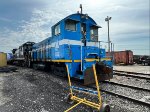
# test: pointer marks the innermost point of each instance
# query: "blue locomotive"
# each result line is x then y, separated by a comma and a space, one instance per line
74, 42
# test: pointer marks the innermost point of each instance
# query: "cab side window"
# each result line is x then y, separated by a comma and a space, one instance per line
94, 33
57, 29
70, 25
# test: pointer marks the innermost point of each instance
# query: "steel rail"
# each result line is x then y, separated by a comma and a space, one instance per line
141, 102
137, 73
112, 93
134, 76
128, 86
127, 97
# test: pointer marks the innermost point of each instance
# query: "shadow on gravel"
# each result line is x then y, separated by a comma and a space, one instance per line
30, 77
32, 93
8, 69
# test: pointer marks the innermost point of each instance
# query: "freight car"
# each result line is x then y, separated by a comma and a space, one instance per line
22, 55
74, 42
123, 57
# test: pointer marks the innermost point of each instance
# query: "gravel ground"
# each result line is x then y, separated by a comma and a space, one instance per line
137, 94
132, 81
128, 105
134, 68
139, 75
35, 91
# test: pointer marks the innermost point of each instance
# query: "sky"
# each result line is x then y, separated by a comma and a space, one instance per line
31, 20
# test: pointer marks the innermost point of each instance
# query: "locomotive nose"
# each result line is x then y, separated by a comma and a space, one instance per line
103, 72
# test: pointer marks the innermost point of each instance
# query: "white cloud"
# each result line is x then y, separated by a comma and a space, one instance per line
5, 19
36, 29
39, 25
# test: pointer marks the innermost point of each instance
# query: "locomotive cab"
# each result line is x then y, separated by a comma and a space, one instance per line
81, 32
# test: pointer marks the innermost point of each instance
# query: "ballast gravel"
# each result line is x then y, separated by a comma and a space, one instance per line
132, 81
30, 90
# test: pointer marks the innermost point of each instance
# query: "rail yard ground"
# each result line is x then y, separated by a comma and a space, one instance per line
29, 90
134, 68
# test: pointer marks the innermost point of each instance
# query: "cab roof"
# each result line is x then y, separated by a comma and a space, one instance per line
78, 17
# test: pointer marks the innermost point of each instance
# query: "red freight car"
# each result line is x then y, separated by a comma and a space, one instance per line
123, 57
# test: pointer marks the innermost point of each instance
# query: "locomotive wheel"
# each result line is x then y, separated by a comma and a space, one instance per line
104, 108
68, 99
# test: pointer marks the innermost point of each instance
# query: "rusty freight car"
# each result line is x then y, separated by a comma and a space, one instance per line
122, 57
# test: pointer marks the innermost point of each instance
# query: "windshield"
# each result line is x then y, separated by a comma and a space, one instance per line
94, 33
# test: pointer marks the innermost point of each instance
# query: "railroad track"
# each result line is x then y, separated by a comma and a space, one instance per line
133, 74
134, 100
126, 85
141, 102
136, 73
138, 101
119, 95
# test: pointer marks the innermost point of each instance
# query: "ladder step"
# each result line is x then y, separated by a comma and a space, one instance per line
84, 90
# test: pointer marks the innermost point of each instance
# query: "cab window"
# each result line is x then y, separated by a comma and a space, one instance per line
70, 25
94, 33
57, 29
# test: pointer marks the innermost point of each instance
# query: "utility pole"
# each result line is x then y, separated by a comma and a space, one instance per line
107, 20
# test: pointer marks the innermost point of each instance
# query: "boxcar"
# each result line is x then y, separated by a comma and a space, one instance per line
123, 57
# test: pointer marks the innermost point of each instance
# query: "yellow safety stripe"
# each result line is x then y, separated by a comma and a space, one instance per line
107, 59
77, 60
93, 59
87, 60
61, 60
90, 60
